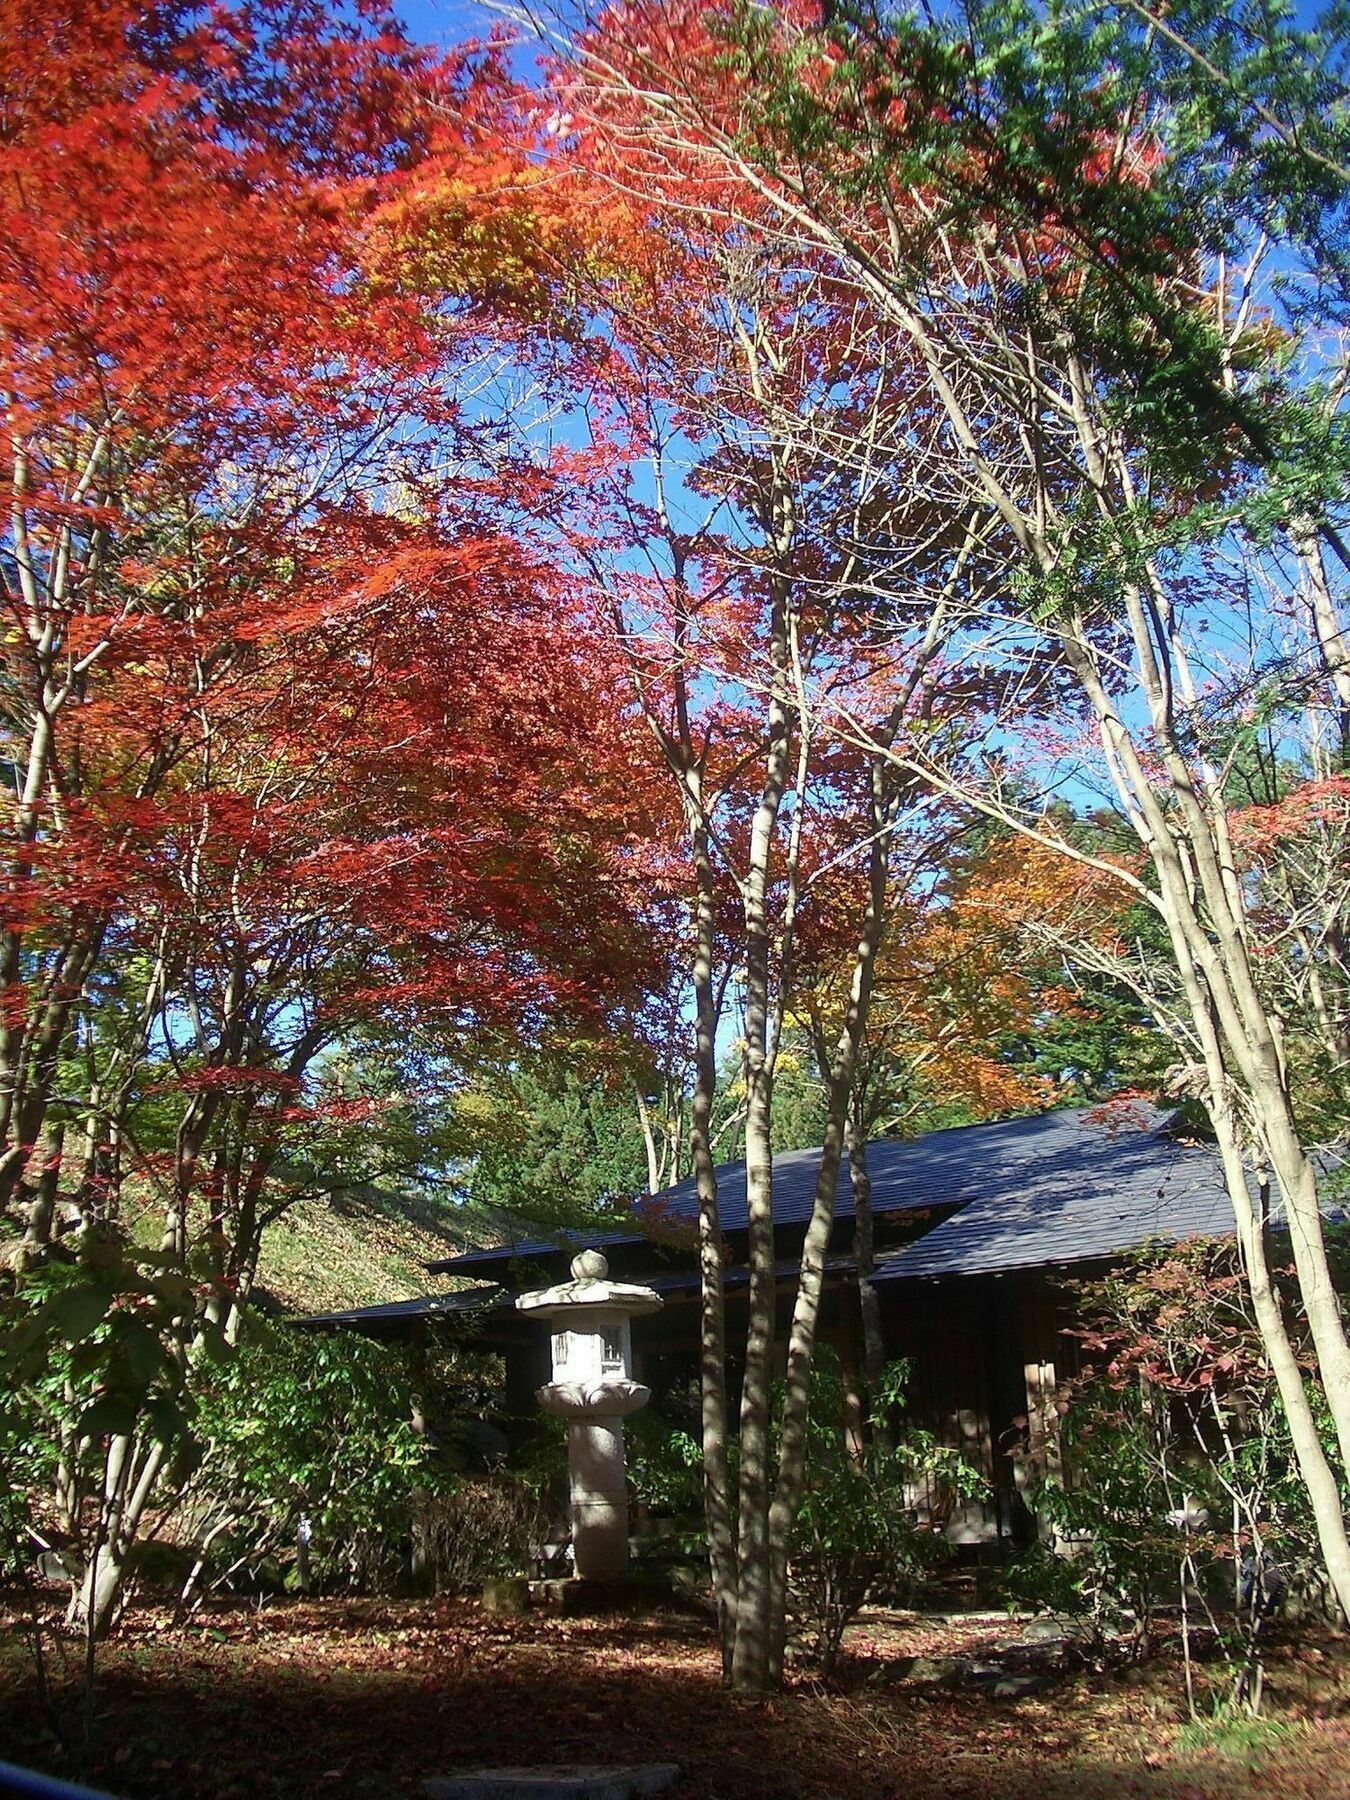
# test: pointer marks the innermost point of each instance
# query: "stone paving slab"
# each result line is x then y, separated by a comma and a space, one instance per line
559, 1781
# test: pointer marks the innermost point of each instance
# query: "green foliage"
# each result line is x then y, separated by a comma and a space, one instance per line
1244, 140
665, 1468
861, 1525
1236, 1737
313, 1426
552, 1147
1110, 1517
100, 1341
93, 1348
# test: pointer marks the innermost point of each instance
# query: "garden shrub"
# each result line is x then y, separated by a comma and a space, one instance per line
1179, 1491
665, 1470
315, 1427
859, 1530
1113, 1555
479, 1528
98, 1347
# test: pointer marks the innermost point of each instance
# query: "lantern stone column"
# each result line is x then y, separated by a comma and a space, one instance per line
592, 1388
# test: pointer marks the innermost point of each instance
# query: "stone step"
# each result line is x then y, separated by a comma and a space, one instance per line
557, 1781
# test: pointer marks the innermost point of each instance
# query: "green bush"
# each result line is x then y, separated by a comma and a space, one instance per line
316, 1427
665, 1468
859, 1530
1115, 1557
97, 1360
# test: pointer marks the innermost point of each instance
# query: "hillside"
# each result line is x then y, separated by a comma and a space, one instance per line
357, 1250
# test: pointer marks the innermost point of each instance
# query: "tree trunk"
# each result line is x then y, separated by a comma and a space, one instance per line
751, 1659
864, 1257
811, 1276
712, 1301
1333, 643
128, 1481
42, 1205
1216, 1021
1220, 956
1316, 1471
29, 1068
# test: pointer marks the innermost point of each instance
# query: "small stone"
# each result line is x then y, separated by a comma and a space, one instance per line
594, 1781
58, 1565
984, 1674
1044, 1631
937, 1671
686, 1582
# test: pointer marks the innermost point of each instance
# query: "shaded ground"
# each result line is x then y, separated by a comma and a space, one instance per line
326, 1700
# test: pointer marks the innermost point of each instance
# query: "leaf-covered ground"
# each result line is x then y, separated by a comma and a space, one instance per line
329, 1699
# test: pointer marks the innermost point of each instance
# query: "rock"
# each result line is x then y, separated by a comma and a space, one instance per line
984, 1674
937, 1671
639, 1592
1044, 1631
58, 1565
558, 1781
509, 1595
688, 1583
1018, 1687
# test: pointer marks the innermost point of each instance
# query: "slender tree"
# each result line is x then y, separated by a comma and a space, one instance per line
1077, 271
755, 420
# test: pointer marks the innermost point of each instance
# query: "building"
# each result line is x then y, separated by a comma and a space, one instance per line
977, 1230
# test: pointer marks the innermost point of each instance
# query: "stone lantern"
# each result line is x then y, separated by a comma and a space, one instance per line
593, 1389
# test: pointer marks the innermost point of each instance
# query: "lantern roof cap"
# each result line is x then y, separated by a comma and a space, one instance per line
588, 1288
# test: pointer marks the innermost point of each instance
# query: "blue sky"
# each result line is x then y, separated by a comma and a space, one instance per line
450, 21
445, 21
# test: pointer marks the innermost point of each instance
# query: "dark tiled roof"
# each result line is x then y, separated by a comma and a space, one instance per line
1061, 1187
736, 1275
794, 1187
426, 1306
890, 1163
527, 1246
1065, 1187
1058, 1187
667, 1282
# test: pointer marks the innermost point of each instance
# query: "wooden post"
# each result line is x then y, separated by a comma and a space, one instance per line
1039, 1341
417, 1375
420, 1559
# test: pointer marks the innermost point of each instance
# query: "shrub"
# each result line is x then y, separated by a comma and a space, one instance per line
479, 1529
1180, 1489
859, 1530
665, 1469
98, 1347
300, 1426
1115, 1555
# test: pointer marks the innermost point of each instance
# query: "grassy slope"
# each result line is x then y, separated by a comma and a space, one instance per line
353, 1250
346, 1250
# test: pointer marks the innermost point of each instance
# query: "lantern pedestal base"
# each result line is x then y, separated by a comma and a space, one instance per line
578, 1598
599, 1498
